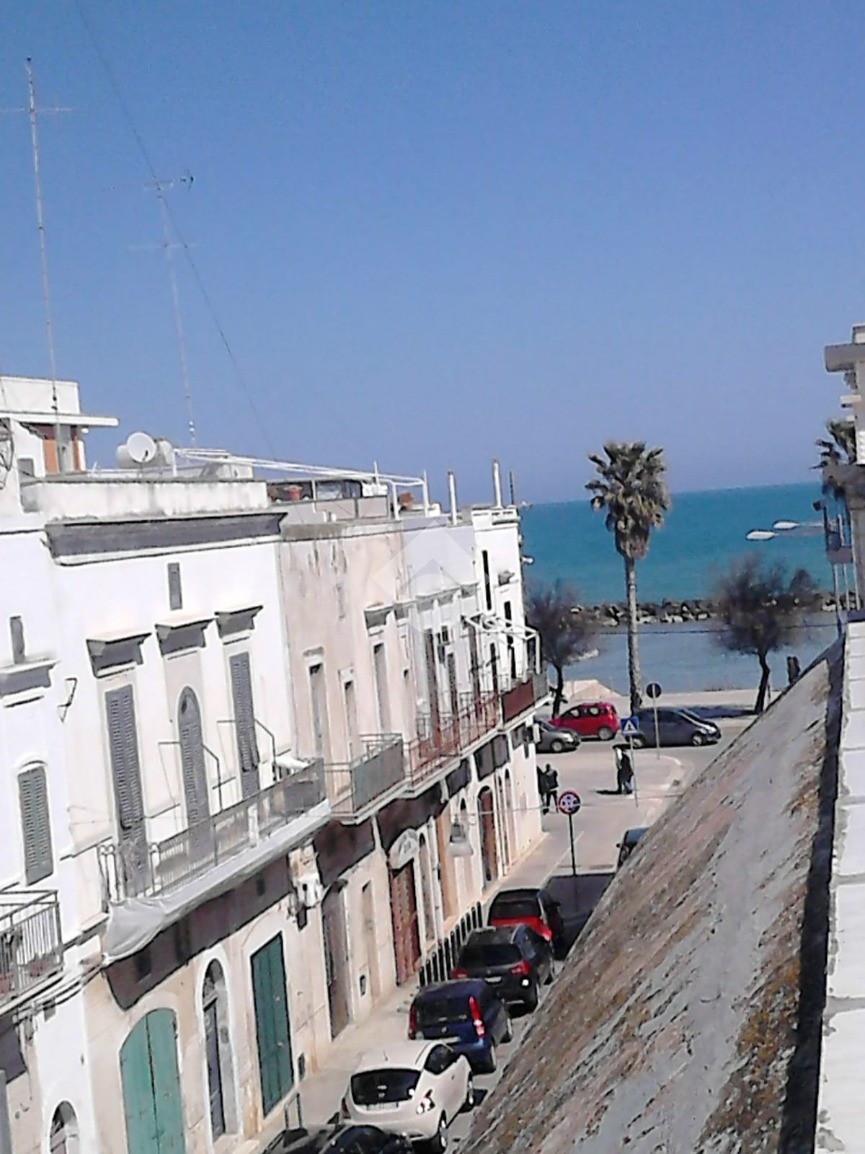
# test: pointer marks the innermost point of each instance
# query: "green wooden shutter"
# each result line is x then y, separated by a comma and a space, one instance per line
35, 824
270, 999
151, 1087
244, 722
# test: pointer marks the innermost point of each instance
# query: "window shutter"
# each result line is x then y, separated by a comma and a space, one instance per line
175, 590
125, 768
35, 824
244, 721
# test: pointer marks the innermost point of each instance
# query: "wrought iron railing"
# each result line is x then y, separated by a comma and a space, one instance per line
442, 739
136, 868
31, 945
356, 786
437, 965
524, 694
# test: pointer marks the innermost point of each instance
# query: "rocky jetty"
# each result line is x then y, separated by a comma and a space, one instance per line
615, 614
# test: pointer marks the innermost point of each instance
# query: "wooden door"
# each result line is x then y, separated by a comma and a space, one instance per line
406, 936
270, 1000
151, 1087
336, 962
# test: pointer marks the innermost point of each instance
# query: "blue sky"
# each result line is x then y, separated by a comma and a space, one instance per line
435, 233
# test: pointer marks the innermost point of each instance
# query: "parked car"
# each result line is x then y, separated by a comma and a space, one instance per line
675, 727
528, 906
554, 739
590, 719
340, 1139
513, 959
465, 1014
629, 843
411, 1088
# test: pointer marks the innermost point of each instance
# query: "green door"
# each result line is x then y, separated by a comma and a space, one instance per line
151, 1087
271, 1023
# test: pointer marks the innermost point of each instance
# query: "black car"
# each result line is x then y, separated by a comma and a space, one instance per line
553, 740
513, 959
675, 727
629, 843
467, 1015
340, 1139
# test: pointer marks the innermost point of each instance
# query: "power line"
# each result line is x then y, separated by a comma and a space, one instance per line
148, 160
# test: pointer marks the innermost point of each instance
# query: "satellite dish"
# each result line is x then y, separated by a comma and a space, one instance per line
139, 449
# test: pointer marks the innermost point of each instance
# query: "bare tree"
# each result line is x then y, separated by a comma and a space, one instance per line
760, 610
565, 628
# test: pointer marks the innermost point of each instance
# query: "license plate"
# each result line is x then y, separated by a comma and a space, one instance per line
493, 980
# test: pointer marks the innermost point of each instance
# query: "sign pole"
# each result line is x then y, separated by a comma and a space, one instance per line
573, 845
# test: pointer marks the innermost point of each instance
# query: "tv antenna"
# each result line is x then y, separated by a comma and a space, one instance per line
33, 112
160, 187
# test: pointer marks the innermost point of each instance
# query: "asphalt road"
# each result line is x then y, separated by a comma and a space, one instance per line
598, 828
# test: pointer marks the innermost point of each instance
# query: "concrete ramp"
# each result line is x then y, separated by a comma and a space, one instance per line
688, 1016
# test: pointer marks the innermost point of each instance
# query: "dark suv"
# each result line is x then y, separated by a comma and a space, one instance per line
513, 959
467, 1015
675, 727
340, 1139
529, 906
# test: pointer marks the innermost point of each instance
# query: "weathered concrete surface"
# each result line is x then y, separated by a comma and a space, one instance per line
689, 1017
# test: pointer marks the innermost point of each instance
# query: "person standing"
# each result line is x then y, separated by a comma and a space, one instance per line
552, 788
542, 789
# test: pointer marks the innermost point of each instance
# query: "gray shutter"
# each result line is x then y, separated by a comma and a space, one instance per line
244, 723
192, 758
35, 824
125, 767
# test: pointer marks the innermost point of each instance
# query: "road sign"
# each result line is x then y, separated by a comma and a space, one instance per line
569, 802
630, 727
653, 690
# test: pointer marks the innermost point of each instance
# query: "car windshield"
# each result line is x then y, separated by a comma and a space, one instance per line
377, 1087
693, 717
431, 1011
514, 906
489, 954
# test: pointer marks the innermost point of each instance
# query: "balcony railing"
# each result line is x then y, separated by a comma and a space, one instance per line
140, 869
439, 743
359, 786
31, 946
524, 695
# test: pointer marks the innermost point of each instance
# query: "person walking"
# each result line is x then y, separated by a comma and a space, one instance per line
625, 773
542, 789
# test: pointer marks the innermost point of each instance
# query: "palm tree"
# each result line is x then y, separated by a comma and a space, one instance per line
839, 445
630, 490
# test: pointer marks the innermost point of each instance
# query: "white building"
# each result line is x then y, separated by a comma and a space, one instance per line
266, 761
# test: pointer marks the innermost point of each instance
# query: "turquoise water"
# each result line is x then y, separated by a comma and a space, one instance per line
703, 533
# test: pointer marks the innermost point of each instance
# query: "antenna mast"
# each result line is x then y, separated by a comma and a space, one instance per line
159, 187
43, 255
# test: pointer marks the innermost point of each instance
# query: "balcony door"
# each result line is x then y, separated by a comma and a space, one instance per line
128, 793
194, 771
244, 723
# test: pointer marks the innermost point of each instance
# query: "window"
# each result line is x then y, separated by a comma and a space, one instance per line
351, 726
318, 696
244, 723
16, 632
35, 824
175, 589
63, 1137
379, 661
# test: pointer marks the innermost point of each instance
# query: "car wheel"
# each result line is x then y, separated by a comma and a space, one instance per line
440, 1142
508, 1035
698, 739
639, 742
549, 978
469, 1103
605, 733
556, 746
531, 999
491, 1061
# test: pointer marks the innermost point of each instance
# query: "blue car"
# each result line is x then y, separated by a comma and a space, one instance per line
465, 1014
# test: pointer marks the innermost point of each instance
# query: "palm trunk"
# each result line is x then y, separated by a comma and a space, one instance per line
765, 672
559, 692
635, 677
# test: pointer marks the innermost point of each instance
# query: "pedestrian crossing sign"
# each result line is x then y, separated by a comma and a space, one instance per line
630, 727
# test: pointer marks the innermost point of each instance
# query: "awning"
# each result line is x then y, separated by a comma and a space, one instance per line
408, 813
338, 847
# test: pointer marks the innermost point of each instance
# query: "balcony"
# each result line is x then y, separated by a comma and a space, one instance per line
524, 695
359, 787
440, 741
31, 946
238, 836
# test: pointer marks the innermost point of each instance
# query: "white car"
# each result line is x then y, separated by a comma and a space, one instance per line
413, 1088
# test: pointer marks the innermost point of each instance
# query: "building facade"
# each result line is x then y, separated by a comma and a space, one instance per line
269, 744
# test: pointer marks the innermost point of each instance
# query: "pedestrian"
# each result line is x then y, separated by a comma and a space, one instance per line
542, 789
626, 773
552, 787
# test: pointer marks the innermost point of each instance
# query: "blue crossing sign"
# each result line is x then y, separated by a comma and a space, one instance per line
630, 727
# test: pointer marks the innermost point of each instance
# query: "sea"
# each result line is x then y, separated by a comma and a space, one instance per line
703, 533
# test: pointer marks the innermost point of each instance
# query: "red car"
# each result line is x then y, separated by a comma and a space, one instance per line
590, 719
529, 907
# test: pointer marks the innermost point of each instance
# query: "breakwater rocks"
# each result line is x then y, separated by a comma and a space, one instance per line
614, 614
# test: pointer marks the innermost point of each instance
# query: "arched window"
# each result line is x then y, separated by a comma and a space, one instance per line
217, 1048
63, 1137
